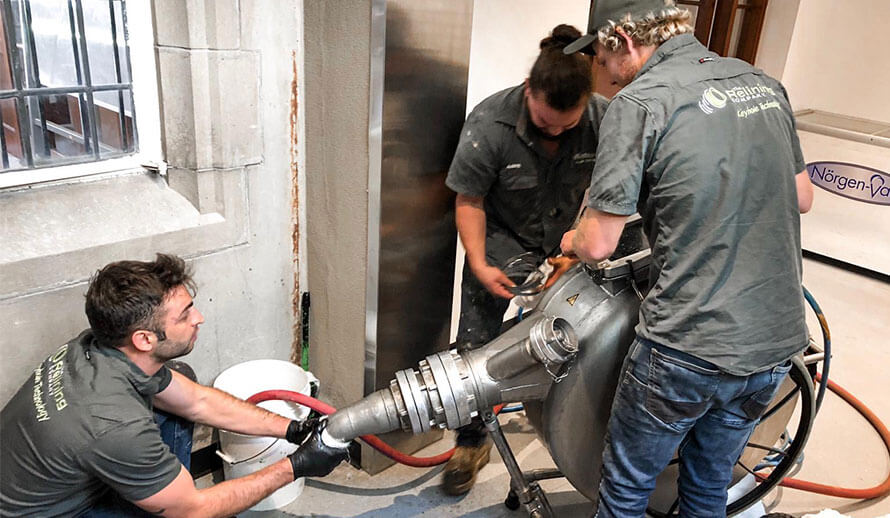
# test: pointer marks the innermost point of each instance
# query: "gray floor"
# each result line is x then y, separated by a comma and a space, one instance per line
843, 449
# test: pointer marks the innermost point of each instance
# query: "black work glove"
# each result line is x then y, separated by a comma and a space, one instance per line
314, 458
297, 431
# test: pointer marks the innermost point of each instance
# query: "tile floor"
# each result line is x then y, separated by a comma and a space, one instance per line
843, 449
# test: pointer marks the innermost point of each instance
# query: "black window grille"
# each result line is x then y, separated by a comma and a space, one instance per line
66, 93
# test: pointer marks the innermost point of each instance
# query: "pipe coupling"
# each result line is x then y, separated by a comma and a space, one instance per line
439, 394
553, 342
442, 392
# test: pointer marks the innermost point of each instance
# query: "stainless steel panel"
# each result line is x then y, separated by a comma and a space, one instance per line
424, 100
375, 150
418, 87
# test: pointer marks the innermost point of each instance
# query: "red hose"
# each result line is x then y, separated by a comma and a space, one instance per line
844, 492
425, 462
374, 441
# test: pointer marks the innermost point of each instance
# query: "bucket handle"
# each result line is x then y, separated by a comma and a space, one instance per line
229, 460
313, 384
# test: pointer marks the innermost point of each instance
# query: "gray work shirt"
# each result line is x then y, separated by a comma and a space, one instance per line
531, 198
82, 424
705, 148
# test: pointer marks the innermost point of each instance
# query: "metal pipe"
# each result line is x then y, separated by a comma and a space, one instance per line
510, 362
448, 389
551, 342
374, 414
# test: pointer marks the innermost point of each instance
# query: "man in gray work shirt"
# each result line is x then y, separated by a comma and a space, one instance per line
80, 439
705, 149
520, 170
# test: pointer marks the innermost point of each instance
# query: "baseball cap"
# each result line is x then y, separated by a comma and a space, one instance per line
601, 11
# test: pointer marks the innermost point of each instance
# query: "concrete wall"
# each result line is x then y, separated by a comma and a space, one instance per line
337, 72
226, 72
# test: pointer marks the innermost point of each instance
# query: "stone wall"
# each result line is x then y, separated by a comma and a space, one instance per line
226, 77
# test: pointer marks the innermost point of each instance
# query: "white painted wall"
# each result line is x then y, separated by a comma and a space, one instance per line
503, 48
505, 40
775, 38
838, 59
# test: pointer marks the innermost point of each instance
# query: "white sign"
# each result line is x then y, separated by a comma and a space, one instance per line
851, 181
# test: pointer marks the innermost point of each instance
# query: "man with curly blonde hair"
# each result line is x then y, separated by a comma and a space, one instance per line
705, 149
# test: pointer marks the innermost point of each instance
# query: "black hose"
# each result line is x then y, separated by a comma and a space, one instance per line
826, 346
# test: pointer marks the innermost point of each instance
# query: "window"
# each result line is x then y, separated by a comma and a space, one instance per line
66, 86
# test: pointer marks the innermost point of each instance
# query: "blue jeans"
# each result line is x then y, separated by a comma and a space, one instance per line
668, 401
176, 433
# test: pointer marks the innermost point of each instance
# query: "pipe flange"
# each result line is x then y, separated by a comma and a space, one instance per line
408, 397
421, 401
458, 386
432, 390
401, 410
445, 390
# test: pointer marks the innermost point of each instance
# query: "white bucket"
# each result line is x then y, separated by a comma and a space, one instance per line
245, 454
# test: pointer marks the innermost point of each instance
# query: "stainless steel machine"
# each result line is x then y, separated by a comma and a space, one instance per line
562, 361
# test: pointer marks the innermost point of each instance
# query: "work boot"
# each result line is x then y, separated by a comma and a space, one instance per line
460, 472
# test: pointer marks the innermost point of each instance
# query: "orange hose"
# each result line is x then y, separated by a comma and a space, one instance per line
844, 492
372, 440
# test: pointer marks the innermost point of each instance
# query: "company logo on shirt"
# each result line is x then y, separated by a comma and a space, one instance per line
53, 381
584, 158
852, 181
712, 100
750, 97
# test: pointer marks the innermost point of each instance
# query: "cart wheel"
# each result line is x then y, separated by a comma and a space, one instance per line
512, 501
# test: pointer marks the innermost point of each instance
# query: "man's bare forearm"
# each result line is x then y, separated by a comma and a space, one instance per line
470, 221
234, 496
221, 410
180, 499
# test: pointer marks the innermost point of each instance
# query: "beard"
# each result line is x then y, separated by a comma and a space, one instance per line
626, 73
168, 349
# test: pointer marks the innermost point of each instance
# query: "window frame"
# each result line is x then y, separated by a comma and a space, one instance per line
717, 26
146, 108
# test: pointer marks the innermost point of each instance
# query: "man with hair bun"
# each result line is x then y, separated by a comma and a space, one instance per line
705, 149
80, 437
521, 166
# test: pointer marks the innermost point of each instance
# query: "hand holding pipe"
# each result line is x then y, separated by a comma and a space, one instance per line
315, 457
